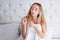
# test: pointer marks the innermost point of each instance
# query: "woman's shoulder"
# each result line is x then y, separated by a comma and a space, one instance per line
24, 18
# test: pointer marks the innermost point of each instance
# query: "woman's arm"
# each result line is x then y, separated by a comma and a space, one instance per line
41, 33
24, 22
23, 31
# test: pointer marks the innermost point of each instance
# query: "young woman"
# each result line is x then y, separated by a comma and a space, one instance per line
34, 16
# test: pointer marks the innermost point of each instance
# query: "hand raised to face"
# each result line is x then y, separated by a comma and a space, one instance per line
24, 21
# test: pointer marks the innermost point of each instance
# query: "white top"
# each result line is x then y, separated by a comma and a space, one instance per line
31, 33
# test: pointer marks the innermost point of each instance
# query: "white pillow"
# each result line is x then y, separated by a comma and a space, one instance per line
9, 31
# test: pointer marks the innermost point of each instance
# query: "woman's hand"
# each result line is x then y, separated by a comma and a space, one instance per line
24, 21
31, 24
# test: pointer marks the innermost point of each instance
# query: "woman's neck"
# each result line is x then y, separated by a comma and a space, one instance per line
34, 19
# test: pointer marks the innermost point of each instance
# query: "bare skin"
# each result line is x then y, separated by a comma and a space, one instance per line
24, 22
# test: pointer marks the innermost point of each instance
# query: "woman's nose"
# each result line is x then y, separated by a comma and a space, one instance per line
33, 11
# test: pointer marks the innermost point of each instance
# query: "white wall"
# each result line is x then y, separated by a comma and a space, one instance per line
14, 10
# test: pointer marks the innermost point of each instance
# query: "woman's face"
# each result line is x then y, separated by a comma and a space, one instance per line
35, 10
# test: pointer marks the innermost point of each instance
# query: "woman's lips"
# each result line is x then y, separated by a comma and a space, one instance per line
32, 13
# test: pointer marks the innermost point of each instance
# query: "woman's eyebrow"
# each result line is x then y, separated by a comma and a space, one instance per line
32, 7
36, 8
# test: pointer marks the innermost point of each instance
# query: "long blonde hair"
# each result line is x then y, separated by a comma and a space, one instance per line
40, 15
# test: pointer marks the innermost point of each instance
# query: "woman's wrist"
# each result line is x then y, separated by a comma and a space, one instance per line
34, 27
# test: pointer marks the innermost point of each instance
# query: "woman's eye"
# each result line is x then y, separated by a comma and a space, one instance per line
34, 9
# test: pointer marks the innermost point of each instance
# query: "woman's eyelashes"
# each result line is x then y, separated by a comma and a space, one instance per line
35, 9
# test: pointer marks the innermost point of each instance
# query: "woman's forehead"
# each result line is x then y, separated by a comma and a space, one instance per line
35, 6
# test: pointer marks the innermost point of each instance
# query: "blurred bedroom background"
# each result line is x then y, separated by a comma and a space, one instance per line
11, 12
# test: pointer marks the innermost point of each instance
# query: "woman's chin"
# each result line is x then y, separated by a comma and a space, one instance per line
33, 16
